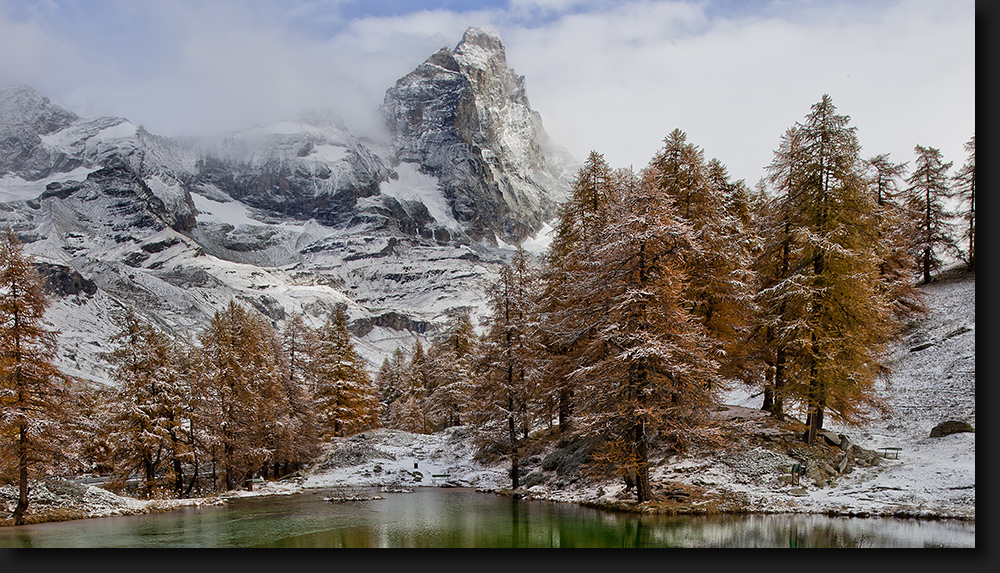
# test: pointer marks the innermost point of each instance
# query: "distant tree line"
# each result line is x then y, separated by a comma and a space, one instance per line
659, 287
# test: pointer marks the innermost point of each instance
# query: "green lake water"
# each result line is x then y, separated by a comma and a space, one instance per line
455, 517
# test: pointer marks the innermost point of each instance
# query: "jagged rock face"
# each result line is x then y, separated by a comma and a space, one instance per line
311, 169
41, 141
113, 204
463, 116
26, 116
60, 280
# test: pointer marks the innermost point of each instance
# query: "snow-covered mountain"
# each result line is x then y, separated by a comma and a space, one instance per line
299, 216
464, 117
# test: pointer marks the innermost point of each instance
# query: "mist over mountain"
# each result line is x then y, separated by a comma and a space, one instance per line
300, 216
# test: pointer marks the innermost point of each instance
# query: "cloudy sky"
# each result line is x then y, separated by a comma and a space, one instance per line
611, 76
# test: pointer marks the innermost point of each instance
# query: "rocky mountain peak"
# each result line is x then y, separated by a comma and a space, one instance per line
463, 116
25, 117
484, 46
23, 108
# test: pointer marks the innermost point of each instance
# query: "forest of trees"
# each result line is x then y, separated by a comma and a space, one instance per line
659, 288
662, 286
181, 418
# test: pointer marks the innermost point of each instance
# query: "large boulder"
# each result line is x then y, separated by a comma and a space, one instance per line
951, 427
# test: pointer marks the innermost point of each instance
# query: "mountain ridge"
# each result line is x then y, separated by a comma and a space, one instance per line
294, 217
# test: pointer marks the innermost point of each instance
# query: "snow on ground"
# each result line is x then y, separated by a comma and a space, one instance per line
933, 380
412, 185
60, 500
328, 153
211, 211
13, 188
928, 385
540, 242
400, 460
932, 477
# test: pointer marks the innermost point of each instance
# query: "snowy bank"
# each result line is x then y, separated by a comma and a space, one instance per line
932, 381
56, 499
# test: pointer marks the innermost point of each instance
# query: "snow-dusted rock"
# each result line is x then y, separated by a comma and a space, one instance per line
26, 116
463, 116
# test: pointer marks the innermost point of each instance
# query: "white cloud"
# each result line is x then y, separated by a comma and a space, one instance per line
620, 81
27, 55
615, 77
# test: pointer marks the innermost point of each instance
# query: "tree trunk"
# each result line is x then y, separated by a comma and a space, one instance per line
22, 463
640, 445
814, 417
515, 480
768, 402
515, 470
927, 249
927, 265
215, 477
512, 430
194, 475
175, 461
150, 470
778, 409
228, 460
564, 409
178, 475
815, 421
512, 425
643, 489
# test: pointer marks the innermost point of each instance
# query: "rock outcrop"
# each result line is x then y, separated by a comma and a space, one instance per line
950, 427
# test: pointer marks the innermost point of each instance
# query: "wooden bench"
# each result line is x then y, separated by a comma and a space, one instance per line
434, 477
248, 484
886, 451
796, 471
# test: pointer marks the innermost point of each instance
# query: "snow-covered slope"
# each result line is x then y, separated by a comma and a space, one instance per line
932, 477
294, 217
933, 380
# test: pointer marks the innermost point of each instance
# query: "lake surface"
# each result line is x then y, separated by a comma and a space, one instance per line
447, 517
